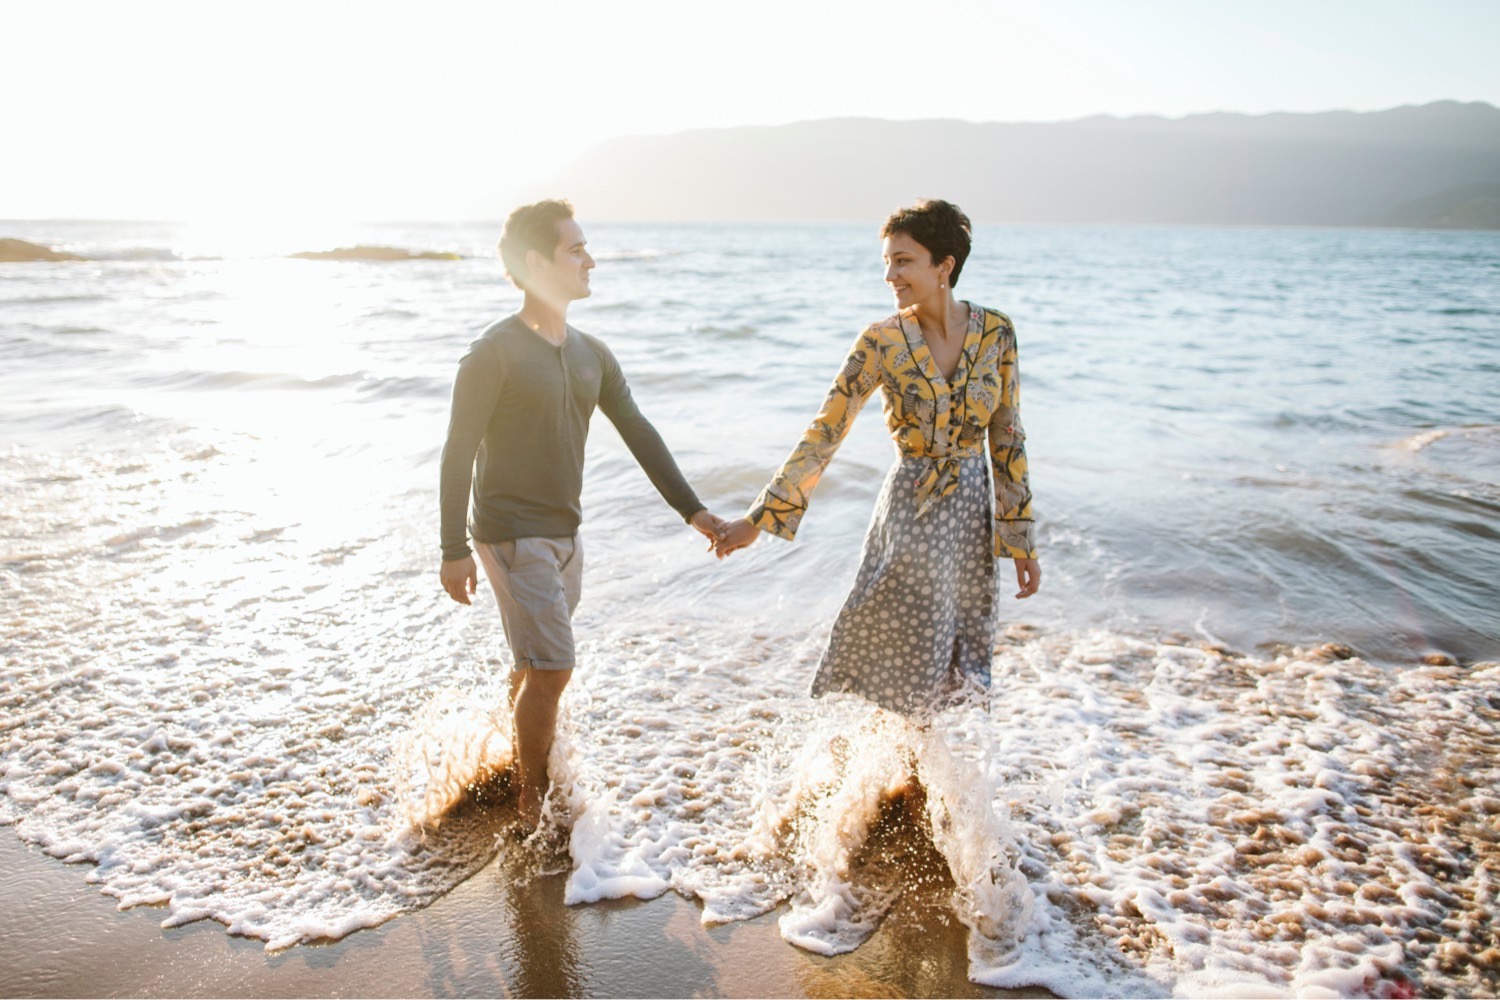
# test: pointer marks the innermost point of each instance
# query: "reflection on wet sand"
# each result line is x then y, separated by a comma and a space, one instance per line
542, 958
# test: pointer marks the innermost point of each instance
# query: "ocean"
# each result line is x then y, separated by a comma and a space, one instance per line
1245, 738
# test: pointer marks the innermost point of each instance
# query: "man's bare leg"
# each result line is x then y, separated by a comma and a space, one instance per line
516, 677
534, 697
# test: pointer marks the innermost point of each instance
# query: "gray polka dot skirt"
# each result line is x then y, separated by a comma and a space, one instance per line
918, 627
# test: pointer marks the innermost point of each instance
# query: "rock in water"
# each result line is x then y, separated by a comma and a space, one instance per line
12, 250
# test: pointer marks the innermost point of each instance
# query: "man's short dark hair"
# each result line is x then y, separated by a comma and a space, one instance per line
531, 227
939, 226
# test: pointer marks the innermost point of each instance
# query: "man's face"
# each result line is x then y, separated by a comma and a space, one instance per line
565, 277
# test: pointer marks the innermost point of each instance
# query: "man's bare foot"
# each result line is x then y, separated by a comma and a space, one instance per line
529, 806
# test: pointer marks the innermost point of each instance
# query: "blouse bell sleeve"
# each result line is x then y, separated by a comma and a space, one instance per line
780, 506
1014, 527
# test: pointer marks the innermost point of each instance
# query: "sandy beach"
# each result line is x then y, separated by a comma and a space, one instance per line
495, 935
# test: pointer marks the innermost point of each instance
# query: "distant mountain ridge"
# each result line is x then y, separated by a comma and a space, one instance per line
1431, 165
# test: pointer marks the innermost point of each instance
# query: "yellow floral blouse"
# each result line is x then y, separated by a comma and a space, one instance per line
928, 417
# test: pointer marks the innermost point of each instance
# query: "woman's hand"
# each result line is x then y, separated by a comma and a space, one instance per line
738, 535
1028, 576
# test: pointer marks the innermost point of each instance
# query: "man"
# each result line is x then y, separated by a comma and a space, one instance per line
521, 407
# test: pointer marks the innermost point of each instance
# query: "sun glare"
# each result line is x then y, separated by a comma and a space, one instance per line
235, 235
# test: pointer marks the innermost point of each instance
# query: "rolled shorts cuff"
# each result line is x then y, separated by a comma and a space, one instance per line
531, 662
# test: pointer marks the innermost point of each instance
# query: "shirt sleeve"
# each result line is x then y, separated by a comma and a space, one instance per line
780, 506
1014, 527
643, 440
476, 390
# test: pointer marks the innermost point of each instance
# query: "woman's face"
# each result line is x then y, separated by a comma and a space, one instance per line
910, 271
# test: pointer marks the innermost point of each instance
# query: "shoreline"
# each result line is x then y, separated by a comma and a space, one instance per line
493, 935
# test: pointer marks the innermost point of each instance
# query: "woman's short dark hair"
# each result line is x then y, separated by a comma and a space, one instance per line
531, 227
939, 226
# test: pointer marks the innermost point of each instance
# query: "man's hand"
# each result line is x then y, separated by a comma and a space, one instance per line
460, 578
1028, 576
710, 526
736, 536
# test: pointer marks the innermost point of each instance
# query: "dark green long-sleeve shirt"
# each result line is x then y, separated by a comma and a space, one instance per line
520, 418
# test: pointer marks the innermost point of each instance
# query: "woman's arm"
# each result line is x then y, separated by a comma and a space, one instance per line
1014, 527
780, 506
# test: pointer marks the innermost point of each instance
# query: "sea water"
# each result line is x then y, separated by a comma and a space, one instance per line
1245, 738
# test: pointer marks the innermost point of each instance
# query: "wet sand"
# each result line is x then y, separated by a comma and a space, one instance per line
501, 933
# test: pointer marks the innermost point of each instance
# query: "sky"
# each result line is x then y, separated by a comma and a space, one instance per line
318, 109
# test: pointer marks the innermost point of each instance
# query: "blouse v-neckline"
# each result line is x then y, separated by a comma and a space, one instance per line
922, 351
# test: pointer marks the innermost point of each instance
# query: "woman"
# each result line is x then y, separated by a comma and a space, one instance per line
918, 627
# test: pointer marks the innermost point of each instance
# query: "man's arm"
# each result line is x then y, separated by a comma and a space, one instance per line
647, 445
476, 389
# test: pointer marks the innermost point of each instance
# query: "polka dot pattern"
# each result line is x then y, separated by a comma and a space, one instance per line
919, 624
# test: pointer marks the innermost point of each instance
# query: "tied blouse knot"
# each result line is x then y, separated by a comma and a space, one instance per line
939, 421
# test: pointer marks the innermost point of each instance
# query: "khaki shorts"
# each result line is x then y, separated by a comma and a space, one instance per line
537, 582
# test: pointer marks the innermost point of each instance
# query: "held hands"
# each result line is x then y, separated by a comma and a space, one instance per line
724, 536
736, 536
